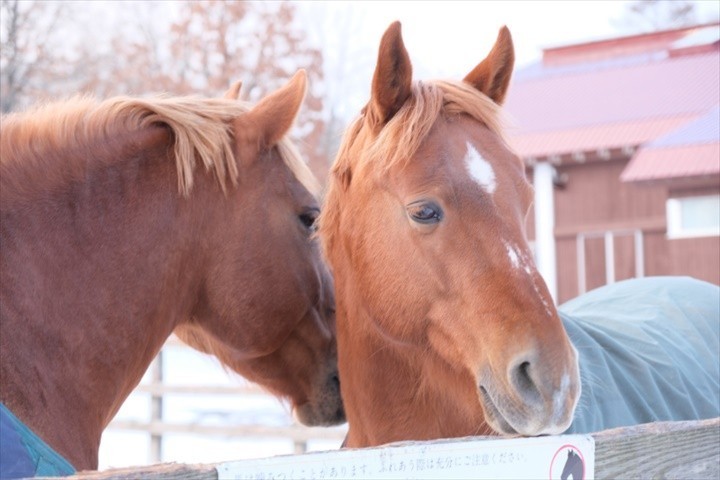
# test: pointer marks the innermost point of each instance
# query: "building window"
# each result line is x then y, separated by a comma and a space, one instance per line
693, 216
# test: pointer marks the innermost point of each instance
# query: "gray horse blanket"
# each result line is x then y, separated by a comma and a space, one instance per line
649, 351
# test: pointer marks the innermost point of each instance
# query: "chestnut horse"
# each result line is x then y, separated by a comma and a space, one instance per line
128, 219
445, 327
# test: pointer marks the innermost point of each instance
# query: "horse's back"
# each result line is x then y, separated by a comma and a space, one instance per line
649, 351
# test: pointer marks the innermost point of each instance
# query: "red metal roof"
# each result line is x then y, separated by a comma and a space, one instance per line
595, 137
597, 100
690, 151
675, 162
678, 39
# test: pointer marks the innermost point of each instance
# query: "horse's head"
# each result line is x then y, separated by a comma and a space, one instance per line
573, 467
424, 229
266, 306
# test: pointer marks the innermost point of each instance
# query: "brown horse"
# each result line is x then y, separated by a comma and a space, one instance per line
445, 327
103, 256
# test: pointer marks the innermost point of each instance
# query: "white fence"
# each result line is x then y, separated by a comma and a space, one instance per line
157, 425
609, 250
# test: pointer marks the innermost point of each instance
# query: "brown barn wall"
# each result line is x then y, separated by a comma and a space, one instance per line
594, 199
696, 257
566, 268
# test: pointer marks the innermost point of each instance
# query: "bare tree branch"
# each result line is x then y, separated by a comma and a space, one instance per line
652, 15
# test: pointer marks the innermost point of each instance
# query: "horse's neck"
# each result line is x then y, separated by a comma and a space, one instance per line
396, 394
92, 278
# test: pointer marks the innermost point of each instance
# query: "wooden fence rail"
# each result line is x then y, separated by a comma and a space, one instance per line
297, 433
157, 427
682, 450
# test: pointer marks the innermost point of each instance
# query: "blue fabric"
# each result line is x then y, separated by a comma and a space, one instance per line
23, 454
649, 351
15, 461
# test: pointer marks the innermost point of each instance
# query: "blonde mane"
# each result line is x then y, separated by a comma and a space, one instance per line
404, 133
202, 131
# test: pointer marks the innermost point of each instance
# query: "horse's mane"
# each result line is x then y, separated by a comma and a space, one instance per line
402, 136
201, 128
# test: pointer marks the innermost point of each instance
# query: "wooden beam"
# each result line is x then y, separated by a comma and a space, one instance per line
654, 450
660, 450
166, 471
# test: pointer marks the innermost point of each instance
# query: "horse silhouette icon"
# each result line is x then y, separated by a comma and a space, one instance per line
568, 463
573, 467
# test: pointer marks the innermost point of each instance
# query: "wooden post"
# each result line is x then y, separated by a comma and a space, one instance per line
639, 253
299, 446
609, 257
156, 408
581, 273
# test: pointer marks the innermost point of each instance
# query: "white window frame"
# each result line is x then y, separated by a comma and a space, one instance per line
674, 220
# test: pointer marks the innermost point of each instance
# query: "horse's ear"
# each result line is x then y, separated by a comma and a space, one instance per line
393, 75
275, 114
233, 92
492, 75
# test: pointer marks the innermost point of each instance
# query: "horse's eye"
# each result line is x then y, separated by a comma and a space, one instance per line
425, 212
308, 218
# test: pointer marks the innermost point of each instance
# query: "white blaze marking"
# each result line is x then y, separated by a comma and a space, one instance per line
480, 169
521, 261
514, 258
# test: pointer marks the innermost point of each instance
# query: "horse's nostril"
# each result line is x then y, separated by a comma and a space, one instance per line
335, 381
521, 377
524, 372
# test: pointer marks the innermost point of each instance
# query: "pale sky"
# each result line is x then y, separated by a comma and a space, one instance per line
434, 30
444, 36
446, 39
